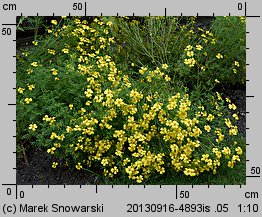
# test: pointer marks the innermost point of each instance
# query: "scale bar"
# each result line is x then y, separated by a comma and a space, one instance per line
85, 9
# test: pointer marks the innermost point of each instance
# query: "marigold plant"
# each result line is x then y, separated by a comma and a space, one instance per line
88, 111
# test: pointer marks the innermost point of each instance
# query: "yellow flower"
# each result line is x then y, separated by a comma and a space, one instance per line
164, 66
119, 102
190, 62
190, 53
167, 78
51, 150
79, 166
126, 161
199, 47
71, 106
104, 161
142, 70
219, 56
63, 17
235, 158
35, 43
188, 47
219, 97
20, 90
232, 106
54, 165
233, 131
29, 71
51, 51
54, 22
34, 64
236, 63
230, 164
88, 93
31, 86
228, 100
226, 151
235, 71
239, 150
217, 81
32, 127
114, 170
28, 100
228, 122
109, 23
139, 179
207, 128
236, 116
210, 117
54, 71
65, 50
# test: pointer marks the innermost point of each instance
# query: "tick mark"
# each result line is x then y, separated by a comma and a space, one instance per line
8, 24
253, 16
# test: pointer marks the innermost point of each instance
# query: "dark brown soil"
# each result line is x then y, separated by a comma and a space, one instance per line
40, 172
238, 97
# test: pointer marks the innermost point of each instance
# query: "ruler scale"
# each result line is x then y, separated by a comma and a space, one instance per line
131, 200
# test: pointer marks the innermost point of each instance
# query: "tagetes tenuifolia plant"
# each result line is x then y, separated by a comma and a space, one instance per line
88, 111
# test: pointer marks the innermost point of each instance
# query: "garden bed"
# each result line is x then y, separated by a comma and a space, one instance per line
120, 100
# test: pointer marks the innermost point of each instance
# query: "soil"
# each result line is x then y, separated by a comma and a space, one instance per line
40, 172
238, 97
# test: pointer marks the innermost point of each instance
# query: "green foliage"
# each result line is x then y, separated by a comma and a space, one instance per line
30, 23
197, 58
230, 33
90, 108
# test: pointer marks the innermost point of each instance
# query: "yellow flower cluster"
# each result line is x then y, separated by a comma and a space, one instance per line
123, 127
